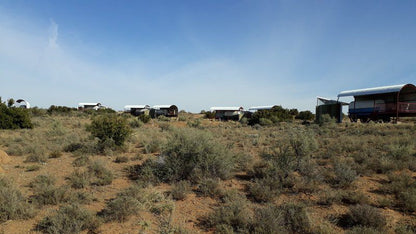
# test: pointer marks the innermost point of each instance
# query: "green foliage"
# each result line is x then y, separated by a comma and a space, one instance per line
181, 189
103, 174
209, 114
305, 115
363, 215
194, 154
60, 109
67, 220
12, 203
45, 191
14, 118
275, 115
144, 118
110, 128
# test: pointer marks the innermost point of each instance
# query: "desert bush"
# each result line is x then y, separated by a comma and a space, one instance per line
353, 197
55, 154
149, 172
38, 158
135, 123
326, 120
363, 230
209, 114
193, 154
12, 203
274, 115
121, 159
265, 189
180, 190
144, 118
79, 179
230, 217
363, 215
103, 174
110, 128
72, 147
119, 209
407, 199
152, 146
49, 195
13, 117
305, 115
344, 175
33, 168
81, 161
60, 109
67, 220
80, 197
209, 188
287, 218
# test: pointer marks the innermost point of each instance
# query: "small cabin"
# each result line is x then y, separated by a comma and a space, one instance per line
90, 106
137, 110
165, 110
382, 103
228, 113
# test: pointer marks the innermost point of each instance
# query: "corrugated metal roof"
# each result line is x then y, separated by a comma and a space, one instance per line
81, 104
260, 108
230, 108
369, 91
128, 107
162, 106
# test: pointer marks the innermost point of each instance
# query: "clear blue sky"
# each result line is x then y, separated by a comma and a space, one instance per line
199, 54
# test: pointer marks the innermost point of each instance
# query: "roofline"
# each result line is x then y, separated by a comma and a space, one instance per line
372, 91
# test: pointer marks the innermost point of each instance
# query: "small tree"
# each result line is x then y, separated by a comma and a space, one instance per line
110, 128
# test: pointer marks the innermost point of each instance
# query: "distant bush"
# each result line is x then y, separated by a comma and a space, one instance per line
181, 189
45, 192
79, 179
60, 109
120, 208
344, 174
12, 203
305, 115
363, 215
193, 154
14, 117
231, 217
209, 188
121, 159
110, 128
276, 114
209, 114
68, 219
103, 174
144, 118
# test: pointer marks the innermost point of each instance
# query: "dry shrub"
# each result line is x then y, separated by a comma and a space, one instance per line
181, 189
12, 203
363, 215
79, 179
102, 174
67, 220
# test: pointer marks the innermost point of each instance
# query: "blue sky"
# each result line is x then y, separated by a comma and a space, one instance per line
197, 54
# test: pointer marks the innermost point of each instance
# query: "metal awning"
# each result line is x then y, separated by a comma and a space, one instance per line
370, 91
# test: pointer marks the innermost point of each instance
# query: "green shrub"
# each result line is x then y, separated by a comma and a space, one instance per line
60, 109
305, 115
274, 115
14, 117
209, 188
230, 217
265, 189
288, 218
344, 174
194, 154
209, 114
103, 174
55, 154
79, 179
110, 127
119, 209
144, 118
181, 189
67, 220
81, 161
121, 159
12, 203
363, 215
